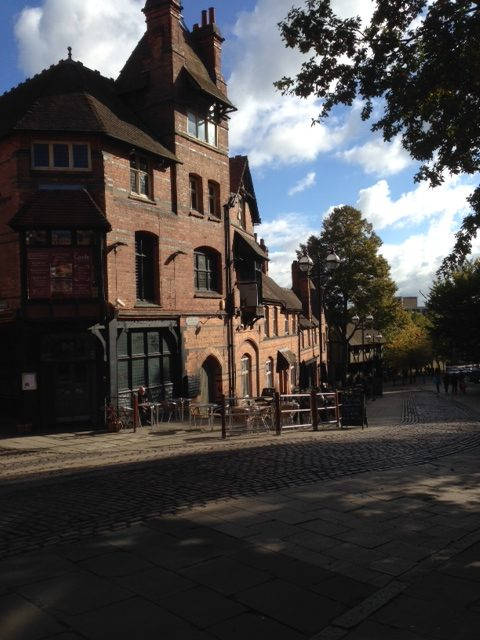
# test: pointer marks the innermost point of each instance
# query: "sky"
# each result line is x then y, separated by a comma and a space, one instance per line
300, 172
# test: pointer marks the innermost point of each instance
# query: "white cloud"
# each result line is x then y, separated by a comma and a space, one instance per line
102, 34
415, 260
413, 207
269, 127
283, 236
305, 183
378, 157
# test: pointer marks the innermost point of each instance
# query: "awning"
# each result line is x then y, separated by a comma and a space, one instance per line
311, 362
251, 243
285, 360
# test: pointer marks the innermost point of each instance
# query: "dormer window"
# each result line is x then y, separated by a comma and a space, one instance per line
66, 156
139, 176
203, 127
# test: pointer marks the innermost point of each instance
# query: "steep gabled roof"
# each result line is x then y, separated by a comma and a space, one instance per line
240, 176
70, 97
272, 292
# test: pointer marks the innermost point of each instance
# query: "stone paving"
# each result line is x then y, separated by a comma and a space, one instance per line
358, 535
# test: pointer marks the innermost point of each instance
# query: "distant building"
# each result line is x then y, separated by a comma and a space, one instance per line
410, 303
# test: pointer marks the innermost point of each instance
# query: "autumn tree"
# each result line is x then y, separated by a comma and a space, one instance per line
362, 283
416, 63
408, 345
454, 309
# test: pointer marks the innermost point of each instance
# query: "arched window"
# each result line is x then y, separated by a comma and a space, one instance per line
207, 269
246, 375
269, 373
145, 261
196, 193
214, 199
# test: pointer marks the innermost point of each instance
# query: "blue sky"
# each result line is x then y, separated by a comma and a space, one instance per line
300, 172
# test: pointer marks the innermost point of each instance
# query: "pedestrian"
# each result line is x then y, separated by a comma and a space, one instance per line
461, 383
446, 381
437, 380
454, 383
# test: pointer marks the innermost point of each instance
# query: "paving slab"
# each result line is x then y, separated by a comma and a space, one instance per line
226, 575
21, 620
253, 627
154, 584
202, 607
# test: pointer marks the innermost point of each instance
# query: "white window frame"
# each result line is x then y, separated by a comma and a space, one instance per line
70, 144
138, 172
208, 121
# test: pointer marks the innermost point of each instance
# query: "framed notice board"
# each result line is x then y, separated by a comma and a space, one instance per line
353, 409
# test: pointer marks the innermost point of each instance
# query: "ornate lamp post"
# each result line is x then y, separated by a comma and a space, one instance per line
320, 273
360, 323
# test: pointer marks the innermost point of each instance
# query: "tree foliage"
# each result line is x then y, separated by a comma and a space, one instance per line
409, 345
362, 282
419, 59
454, 310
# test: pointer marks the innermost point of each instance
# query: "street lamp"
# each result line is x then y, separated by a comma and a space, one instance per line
321, 273
360, 322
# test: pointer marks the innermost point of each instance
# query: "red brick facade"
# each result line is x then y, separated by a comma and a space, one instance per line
187, 230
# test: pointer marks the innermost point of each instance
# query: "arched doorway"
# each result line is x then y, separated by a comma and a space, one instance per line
210, 380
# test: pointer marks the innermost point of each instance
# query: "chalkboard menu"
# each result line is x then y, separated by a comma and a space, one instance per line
191, 386
59, 273
353, 408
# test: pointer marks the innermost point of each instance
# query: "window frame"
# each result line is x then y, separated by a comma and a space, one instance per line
246, 375
214, 198
211, 270
197, 119
138, 172
51, 166
195, 179
153, 278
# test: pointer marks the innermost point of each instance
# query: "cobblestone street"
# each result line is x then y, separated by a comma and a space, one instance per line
355, 534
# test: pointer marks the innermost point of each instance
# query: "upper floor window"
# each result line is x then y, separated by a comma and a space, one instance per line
145, 254
267, 321
206, 269
196, 193
203, 127
275, 321
241, 214
294, 324
214, 199
139, 176
287, 328
61, 156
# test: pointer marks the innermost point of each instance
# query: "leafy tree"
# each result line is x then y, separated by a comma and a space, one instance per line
454, 310
409, 346
362, 282
416, 59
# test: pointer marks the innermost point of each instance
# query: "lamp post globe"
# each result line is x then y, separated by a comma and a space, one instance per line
332, 262
306, 264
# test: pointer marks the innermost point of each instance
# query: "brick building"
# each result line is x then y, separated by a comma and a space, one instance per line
128, 248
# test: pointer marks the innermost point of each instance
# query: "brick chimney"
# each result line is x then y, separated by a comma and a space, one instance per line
300, 284
163, 19
208, 45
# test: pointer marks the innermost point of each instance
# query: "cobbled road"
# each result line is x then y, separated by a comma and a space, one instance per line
44, 512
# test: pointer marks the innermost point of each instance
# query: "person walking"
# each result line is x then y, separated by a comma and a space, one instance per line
437, 379
454, 383
446, 381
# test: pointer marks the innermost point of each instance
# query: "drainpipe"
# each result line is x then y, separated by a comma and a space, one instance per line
229, 306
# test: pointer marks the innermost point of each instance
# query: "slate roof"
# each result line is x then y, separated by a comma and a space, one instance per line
240, 176
252, 243
60, 209
71, 97
272, 292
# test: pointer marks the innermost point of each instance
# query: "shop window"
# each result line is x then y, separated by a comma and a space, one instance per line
140, 181
145, 266
214, 199
60, 264
61, 155
246, 375
206, 270
196, 193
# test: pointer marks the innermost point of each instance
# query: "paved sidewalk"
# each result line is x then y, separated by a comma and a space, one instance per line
385, 554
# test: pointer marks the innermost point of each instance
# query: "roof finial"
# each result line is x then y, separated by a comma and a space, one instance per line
69, 53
